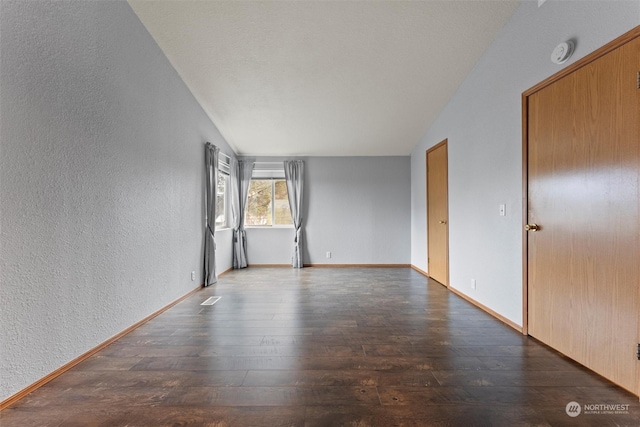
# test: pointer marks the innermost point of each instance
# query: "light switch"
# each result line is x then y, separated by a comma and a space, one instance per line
503, 210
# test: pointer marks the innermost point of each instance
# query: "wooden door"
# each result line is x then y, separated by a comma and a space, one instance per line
583, 193
438, 213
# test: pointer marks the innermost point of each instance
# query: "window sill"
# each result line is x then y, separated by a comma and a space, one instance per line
267, 227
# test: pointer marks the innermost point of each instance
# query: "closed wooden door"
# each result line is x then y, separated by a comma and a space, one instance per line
438, 213
583, 195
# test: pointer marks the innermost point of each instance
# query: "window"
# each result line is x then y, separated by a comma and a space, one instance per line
268, 203
223, 206
221, 200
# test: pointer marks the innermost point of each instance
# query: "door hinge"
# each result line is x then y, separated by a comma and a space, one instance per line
638, 79
638, 353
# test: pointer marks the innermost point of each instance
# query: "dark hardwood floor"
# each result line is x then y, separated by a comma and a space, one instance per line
323, 347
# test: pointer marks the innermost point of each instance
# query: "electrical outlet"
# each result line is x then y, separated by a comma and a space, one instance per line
473, 284
193, 276
328, 254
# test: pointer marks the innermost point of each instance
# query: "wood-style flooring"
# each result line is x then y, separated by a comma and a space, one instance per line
323, 347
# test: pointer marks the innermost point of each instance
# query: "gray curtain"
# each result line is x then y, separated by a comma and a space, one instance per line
211, 186
294, 175
240, 178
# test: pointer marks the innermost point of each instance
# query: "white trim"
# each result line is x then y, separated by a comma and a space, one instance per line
268, 170
270, 226
224, 166
267, 174
269, 165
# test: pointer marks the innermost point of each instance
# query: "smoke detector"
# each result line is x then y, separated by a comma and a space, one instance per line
562, 52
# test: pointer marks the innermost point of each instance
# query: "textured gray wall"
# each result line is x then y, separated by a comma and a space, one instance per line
101, 173
484, 127
356, 207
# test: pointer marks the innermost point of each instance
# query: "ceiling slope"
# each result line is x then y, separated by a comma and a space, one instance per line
323, 78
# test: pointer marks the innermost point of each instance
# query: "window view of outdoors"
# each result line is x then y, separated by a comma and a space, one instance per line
221, 208
268, 203
281, 203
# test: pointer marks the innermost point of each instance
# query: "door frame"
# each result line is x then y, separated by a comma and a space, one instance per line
444, 143
623, 39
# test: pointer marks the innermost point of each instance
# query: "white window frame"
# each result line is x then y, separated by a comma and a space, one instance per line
273, 176
223, 169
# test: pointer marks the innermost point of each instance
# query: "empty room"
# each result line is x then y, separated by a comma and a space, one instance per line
319, 213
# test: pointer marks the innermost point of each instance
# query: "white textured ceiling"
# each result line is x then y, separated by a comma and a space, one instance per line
323, 78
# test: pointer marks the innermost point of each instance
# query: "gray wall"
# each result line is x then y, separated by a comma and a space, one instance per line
101, 173
483, 125
355, 207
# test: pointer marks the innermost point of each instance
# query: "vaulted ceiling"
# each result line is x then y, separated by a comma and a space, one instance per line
323, 78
